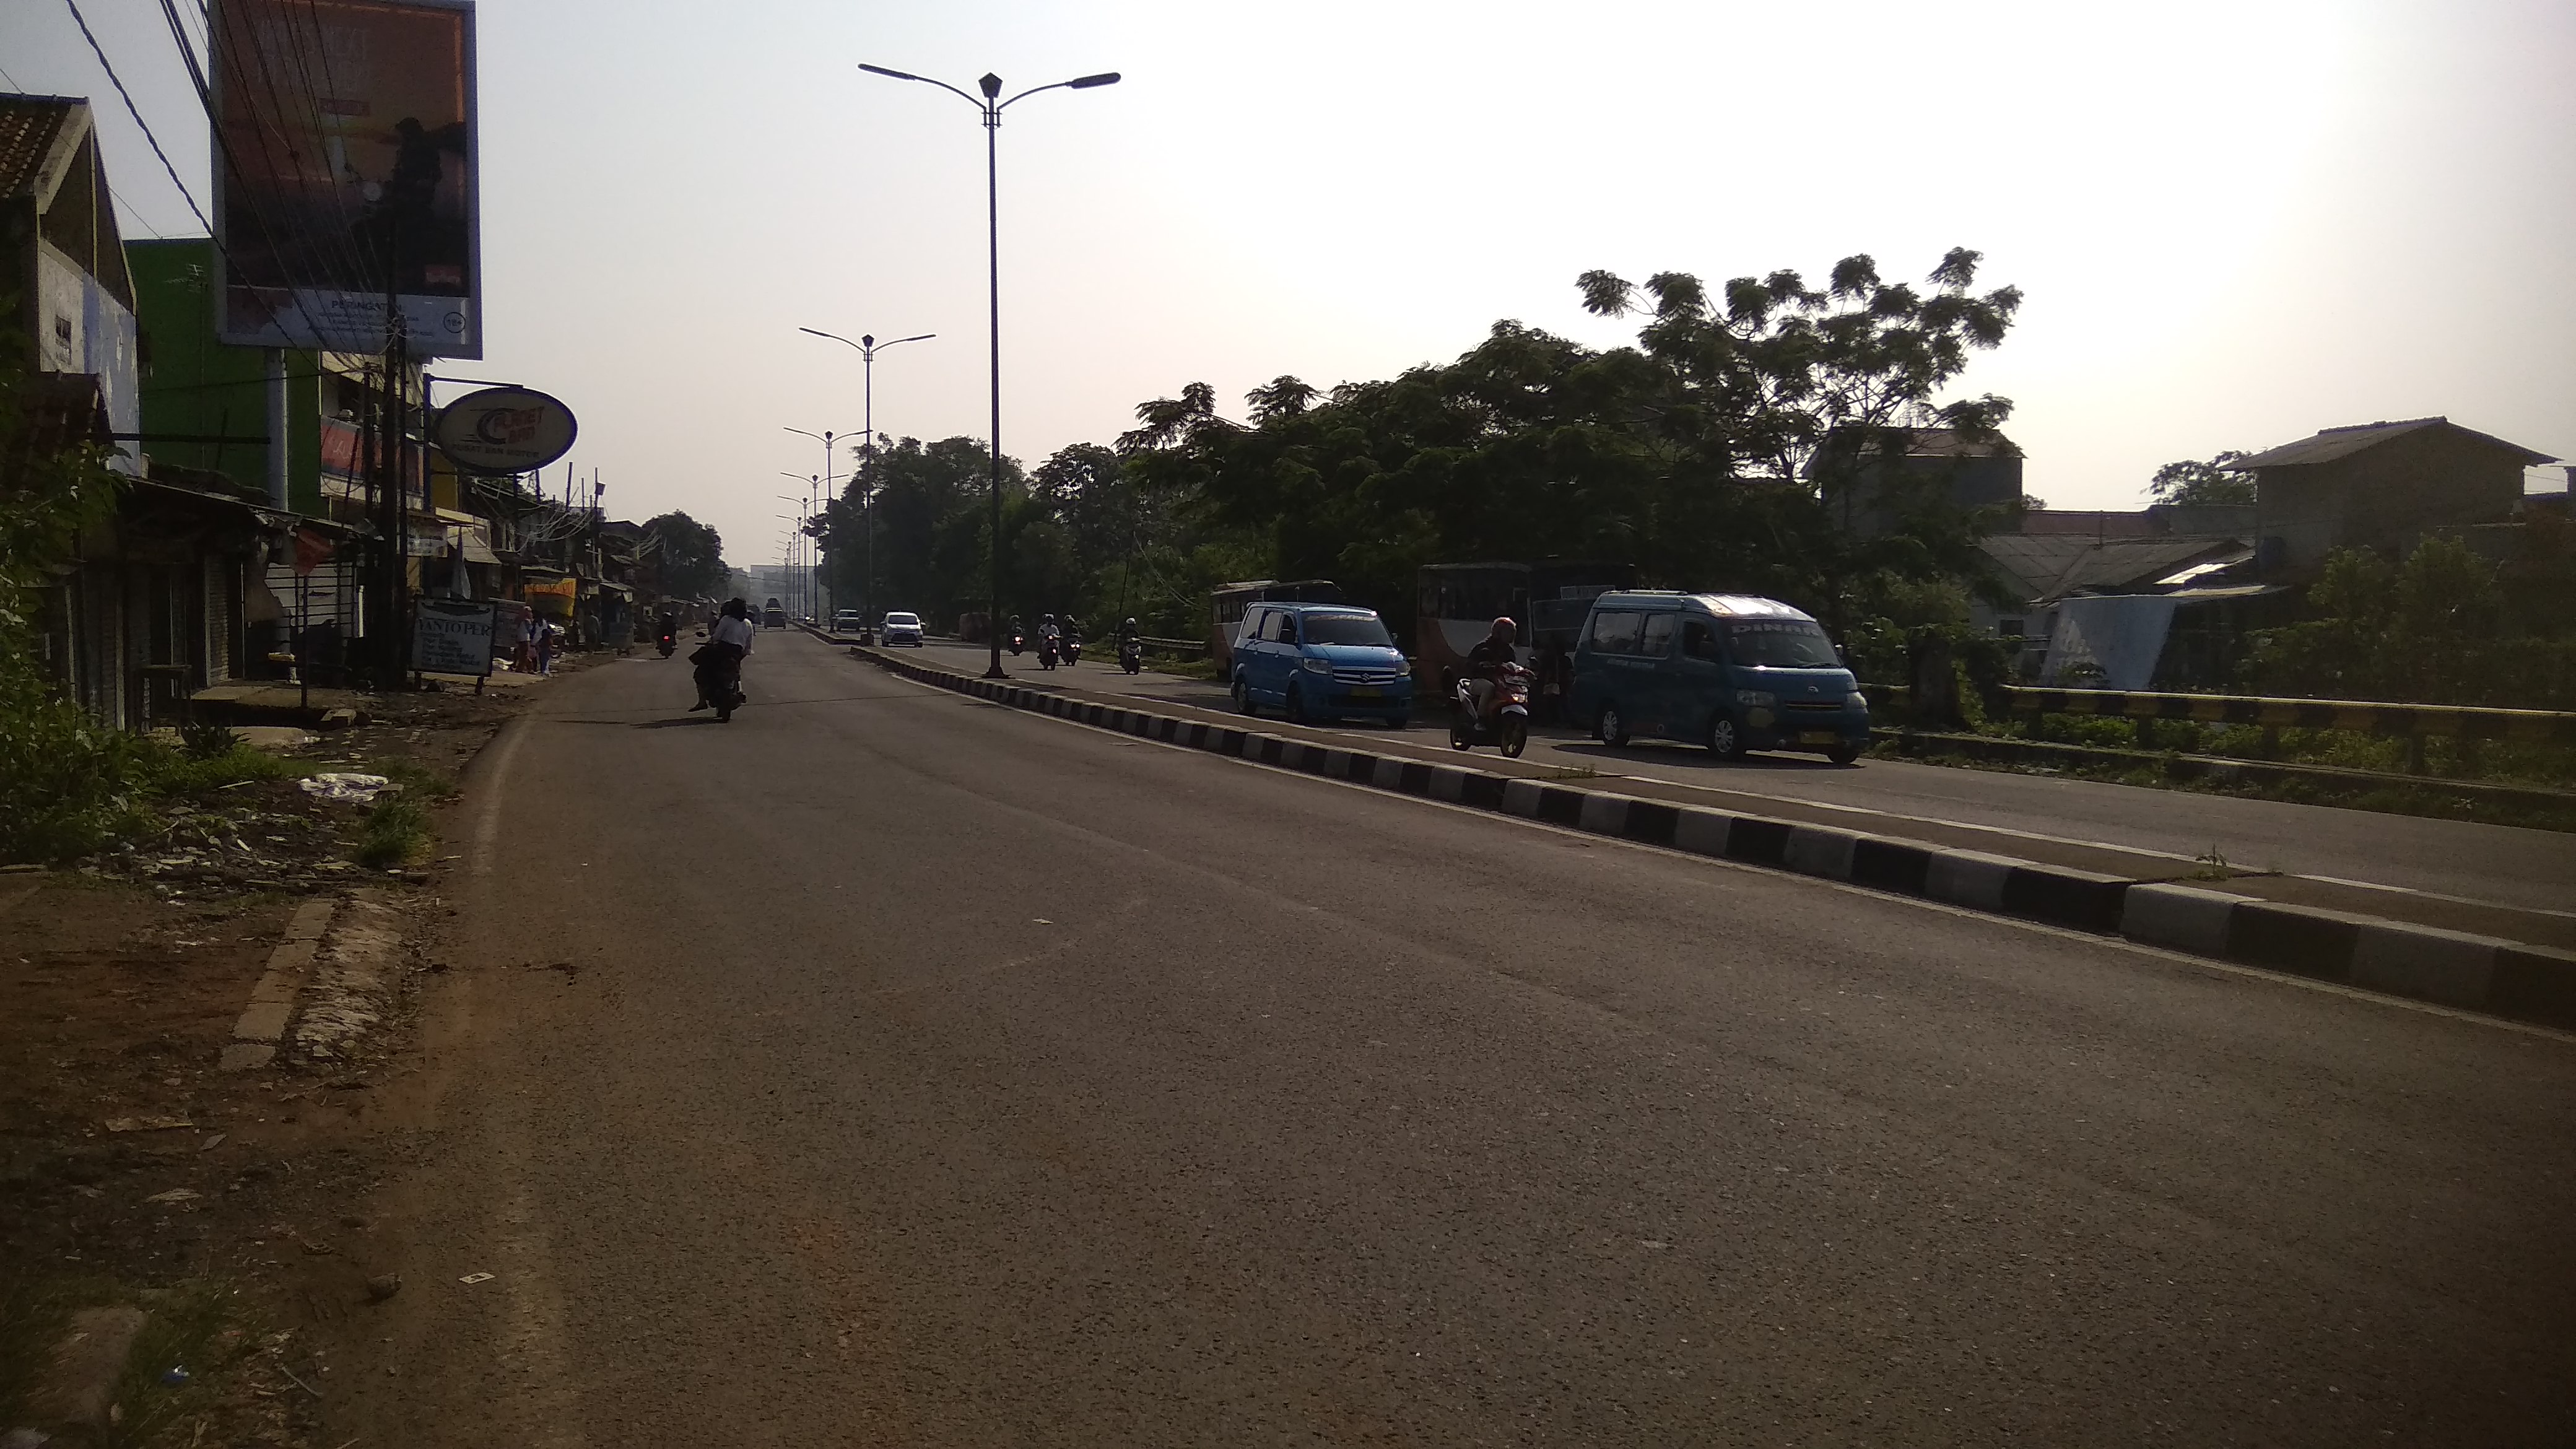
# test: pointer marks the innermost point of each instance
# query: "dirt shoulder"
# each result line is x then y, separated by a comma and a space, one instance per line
138, 1174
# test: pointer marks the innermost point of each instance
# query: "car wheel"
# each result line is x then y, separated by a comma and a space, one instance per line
1294, 707
1609, 728
1243, 698
1843, 754
1724, 741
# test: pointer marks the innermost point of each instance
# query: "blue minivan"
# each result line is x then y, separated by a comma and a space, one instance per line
1319, 661
1727, 671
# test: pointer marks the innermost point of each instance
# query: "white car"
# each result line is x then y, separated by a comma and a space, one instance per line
848, 622
900, 628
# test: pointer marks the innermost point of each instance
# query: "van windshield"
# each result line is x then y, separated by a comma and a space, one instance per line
1780, 644
1360, 629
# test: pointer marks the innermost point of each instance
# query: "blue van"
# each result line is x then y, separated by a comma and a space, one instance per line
1319, 661
1727, 671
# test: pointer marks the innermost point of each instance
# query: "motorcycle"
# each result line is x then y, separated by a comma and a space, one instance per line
720, 683
1072, 649
1047, 652
670, 640
1131, 655
1505, 720
1018, 642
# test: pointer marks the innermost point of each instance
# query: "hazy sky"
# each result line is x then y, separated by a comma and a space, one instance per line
2235, 223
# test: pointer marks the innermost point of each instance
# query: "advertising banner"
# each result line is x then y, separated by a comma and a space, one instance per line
451, 636
345, 156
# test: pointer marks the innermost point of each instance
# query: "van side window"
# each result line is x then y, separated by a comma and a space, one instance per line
1658, 641
1615, 631
1287, 627
1271, 623
1700, 641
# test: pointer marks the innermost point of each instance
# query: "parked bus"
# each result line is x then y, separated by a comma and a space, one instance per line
1228, 601
1455, 606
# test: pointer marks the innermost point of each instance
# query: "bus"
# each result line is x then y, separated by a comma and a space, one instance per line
1228, 601
1455, 606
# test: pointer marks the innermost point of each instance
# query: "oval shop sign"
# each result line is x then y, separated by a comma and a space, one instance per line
504, 430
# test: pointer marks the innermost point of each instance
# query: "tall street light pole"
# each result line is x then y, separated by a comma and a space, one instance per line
868, 348
825, 437
807, 507
991, 107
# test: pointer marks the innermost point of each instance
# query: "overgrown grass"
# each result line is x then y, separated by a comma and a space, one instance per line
417, 780
1185, 668
201, 1327
397, 832
174, 772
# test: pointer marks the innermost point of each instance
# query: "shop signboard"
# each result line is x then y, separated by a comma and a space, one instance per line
452, 636
345, 174
504, 430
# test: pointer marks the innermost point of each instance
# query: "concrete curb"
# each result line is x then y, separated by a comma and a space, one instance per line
272, 1000
2480, 973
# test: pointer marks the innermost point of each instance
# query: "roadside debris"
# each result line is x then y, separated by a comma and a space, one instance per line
345, 787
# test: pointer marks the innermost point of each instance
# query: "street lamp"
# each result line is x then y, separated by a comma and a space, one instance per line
992, 107
807, 507
868, 347
826, 436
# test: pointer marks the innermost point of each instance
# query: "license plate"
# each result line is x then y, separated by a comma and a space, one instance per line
1818, 737
1365, 691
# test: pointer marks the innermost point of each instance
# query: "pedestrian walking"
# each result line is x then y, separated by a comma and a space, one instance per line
547, 635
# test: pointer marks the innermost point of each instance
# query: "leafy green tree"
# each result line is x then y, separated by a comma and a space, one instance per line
64, 779
691, 555
2190, 483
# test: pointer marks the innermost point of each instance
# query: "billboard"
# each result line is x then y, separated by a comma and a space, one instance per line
345, 156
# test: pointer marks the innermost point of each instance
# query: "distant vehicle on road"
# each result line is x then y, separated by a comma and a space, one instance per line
773, 615
1229, 602
1728, 671
900, 628
1320, 661
848, 621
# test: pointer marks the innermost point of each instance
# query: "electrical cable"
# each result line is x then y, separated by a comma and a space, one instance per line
136, 112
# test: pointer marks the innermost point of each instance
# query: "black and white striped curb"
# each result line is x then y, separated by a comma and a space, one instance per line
2482, 973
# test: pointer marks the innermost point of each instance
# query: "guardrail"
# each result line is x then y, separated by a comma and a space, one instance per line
2531, 726
1177, 648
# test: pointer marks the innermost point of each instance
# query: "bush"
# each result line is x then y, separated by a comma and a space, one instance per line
66, 784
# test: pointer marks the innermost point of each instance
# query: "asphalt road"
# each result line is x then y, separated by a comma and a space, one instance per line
889, 1068
2531, 870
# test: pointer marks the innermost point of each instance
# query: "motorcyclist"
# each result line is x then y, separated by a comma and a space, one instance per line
1485, 663
666, 628
719, 660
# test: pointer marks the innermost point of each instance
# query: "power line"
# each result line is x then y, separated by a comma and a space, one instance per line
189, 197
136, 112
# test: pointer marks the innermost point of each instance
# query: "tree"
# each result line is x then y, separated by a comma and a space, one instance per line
2188, 483
692, 556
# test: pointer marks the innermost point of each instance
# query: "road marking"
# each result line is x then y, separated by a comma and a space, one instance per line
495, 788
2117, 943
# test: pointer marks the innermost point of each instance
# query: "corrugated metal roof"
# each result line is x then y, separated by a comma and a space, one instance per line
28, 128
2343, 442
2050, 566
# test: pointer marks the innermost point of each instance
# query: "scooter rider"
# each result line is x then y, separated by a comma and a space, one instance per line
666, 629
1485, 663
719, 660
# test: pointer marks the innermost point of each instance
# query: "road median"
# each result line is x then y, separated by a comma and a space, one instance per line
2501, 977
